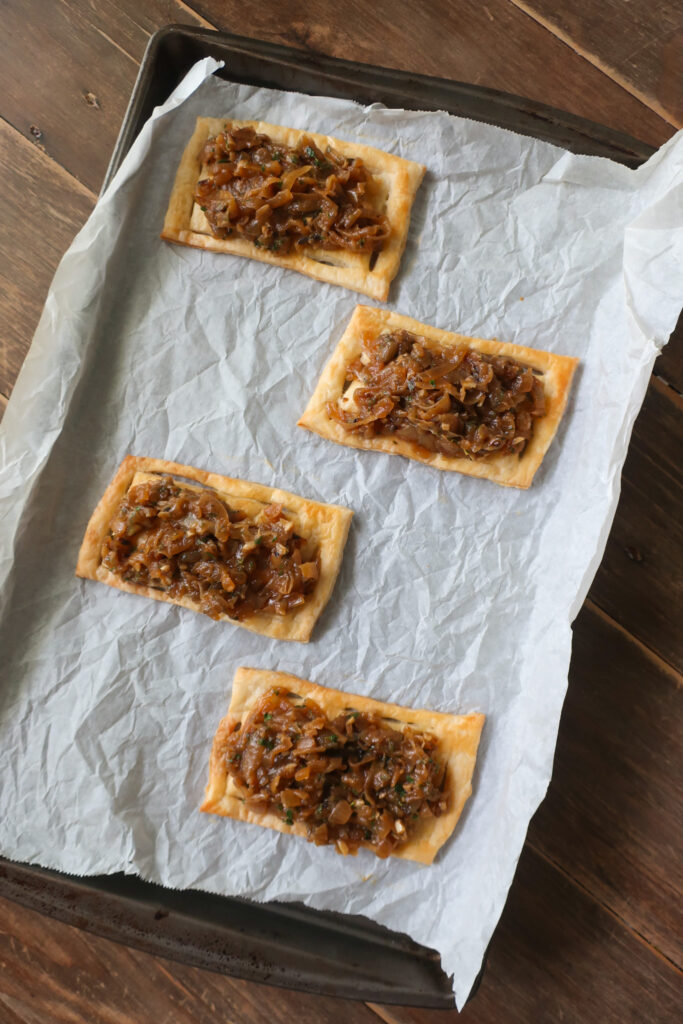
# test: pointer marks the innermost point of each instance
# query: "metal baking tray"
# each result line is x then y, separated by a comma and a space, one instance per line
286, 944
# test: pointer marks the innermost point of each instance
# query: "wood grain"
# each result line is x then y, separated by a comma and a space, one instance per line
558, 956
491, 44
612, 818
640, 580
52, 973
85, 59
611, 821
646, 59
41, 209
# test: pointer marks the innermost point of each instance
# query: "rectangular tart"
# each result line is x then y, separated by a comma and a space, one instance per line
513, 469
396, 181
455, 751
323, 530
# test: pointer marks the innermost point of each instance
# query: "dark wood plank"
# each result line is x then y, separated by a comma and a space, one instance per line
85, 59
640, 580
612, 818
646, 59
52, 972
90, 65
83, 122
558, 956
492, 44
41, 209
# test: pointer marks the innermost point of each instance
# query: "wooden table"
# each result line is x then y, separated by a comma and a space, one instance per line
592, 929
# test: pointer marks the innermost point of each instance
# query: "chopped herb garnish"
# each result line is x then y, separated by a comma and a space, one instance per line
332, 784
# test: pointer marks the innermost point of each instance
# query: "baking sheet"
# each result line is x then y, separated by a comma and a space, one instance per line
454, 594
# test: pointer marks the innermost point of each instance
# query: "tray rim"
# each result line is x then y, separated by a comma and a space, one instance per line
159, 924
625, 148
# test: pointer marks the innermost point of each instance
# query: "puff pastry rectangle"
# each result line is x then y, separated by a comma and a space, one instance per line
458, 737
185, 223
326, 525
367, 322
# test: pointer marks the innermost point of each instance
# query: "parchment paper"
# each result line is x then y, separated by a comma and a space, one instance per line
455, 594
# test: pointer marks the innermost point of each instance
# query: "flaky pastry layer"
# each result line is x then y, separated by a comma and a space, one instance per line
185, 223
458, 737
511, 470
325, 525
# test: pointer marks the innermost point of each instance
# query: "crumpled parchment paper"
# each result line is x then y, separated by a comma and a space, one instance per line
455, 594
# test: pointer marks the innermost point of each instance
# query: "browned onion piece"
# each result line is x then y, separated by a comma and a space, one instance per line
191, 543
459, 403
340, 813
283, 197
352, 780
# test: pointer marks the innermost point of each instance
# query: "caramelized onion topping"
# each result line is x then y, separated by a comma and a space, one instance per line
351, 780
285, 198
192, 544
458, 402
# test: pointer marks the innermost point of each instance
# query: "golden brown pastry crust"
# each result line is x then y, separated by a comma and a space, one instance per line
325, 525
185, 222
510, 470
458, 741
